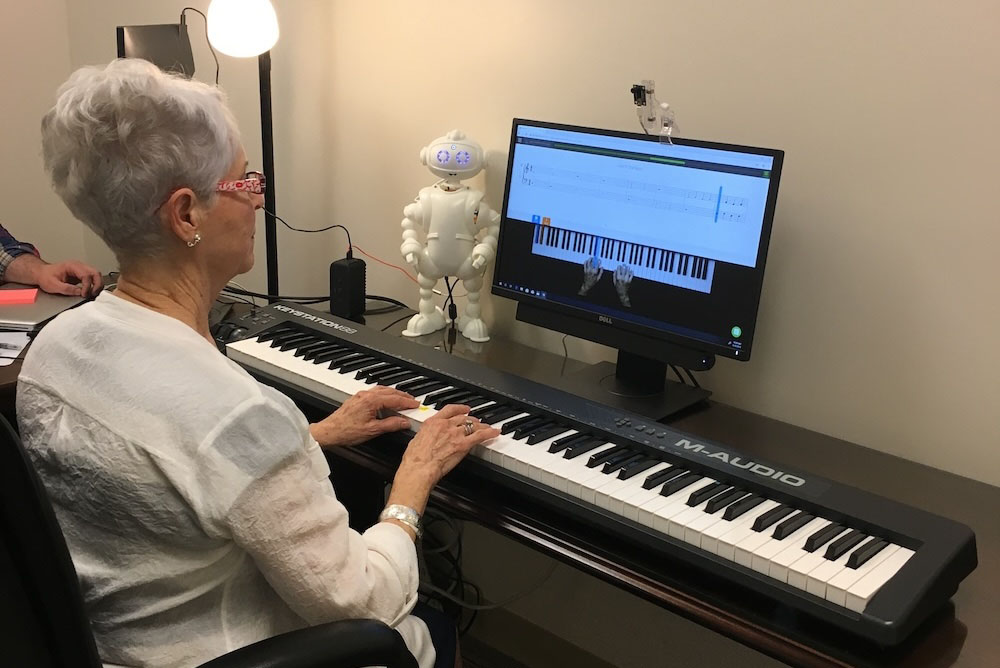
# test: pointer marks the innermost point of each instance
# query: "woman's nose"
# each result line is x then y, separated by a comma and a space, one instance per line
258, 201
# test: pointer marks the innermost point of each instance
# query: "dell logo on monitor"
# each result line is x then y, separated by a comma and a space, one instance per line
605, 319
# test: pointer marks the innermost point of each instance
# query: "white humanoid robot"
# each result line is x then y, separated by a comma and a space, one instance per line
452, 215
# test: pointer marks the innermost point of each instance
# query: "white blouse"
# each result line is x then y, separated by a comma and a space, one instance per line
195, 503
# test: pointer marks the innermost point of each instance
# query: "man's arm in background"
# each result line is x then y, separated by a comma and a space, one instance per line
20, 263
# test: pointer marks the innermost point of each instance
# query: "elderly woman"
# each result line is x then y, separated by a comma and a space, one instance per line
195, 501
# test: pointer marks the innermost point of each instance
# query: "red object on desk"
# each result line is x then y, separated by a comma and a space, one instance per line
26, 296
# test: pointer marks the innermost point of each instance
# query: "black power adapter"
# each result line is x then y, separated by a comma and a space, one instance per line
347, 288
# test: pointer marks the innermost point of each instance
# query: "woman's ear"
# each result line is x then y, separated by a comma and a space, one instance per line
181, 214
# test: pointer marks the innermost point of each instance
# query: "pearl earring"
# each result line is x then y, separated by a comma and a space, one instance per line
194, 242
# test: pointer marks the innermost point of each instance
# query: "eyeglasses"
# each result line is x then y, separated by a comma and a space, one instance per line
252, 182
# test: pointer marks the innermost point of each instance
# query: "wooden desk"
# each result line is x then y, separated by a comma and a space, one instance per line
963, 633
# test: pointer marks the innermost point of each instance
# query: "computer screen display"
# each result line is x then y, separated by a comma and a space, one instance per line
667, 240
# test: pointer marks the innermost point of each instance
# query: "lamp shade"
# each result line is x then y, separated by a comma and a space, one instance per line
242, 28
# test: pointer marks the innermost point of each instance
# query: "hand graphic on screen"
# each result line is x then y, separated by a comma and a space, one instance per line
592, 273
623, 279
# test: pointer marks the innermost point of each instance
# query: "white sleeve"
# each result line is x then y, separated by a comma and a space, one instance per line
297, 532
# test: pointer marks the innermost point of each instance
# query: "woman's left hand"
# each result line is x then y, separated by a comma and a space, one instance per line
358, 419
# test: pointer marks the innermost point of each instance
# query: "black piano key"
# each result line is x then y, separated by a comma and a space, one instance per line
333, 355
844, 544
295, 342
413, 384
583, 448
601, 457
476, 401
662, 476
354, 365
743, 506
480, 412
293, 335
322, 350
707, 492
269, 334
720, 501
561, 444
501, 415
458, 399
545, 434
635, 468
374, 372
398, 377
444, 395
791, 525
673, 262
615, 464
520, 422
861, 555
310, 347
822, 537
527, 429
680, 482
772, 516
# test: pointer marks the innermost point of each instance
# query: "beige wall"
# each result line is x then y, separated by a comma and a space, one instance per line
34, 60
878, 317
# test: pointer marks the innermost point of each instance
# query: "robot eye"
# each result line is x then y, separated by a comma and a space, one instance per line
443, 156
463, 157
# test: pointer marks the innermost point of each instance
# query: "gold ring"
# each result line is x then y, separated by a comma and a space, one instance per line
470, 427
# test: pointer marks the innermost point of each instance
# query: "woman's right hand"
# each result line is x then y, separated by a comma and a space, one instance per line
442, 442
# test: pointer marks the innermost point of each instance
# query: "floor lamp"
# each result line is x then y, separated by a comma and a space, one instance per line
244, 29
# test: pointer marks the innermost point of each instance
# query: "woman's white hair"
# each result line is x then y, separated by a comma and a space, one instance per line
121, 138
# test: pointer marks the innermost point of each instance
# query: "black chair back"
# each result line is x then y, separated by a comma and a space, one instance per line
42, 618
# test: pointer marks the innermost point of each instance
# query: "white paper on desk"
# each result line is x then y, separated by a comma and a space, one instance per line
12, 344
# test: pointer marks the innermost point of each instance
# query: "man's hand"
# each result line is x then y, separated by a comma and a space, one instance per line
359, 418
69, 278
62, 278
592, 273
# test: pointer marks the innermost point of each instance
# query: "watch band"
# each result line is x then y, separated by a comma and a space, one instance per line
404, 514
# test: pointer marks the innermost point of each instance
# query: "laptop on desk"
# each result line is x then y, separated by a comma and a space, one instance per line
31, 317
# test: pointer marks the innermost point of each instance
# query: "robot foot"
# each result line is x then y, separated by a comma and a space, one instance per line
473, 329
422, 323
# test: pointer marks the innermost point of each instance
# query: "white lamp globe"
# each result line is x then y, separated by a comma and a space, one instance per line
242, 28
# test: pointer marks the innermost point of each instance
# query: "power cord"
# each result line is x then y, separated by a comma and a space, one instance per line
350, 246
207, 40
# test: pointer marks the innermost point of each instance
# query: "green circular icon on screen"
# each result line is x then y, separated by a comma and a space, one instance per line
736, 332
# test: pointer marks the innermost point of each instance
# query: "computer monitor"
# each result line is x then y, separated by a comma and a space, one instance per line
653, 247
165, 45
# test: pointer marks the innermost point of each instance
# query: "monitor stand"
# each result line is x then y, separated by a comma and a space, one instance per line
636, 384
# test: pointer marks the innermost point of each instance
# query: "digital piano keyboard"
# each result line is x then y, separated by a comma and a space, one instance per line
864, 563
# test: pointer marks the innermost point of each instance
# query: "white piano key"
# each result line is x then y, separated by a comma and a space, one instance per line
864, 589
760, 548
836, 588
781, 563
733, 530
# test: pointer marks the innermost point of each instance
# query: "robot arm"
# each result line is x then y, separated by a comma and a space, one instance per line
413, 218
486, 249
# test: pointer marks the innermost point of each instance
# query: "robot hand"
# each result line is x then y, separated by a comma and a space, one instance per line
481, 255
622, 280
592, 273
410, 251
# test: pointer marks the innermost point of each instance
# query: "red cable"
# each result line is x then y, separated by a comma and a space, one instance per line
388, 264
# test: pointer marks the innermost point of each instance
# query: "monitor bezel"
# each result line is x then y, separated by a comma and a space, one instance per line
625, 326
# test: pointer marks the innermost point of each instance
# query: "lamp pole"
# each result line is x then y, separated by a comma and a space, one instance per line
267, 141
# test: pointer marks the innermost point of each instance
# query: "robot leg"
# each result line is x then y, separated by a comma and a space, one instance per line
429, 317
470, 323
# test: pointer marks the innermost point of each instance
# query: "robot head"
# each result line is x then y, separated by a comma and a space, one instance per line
453, 157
